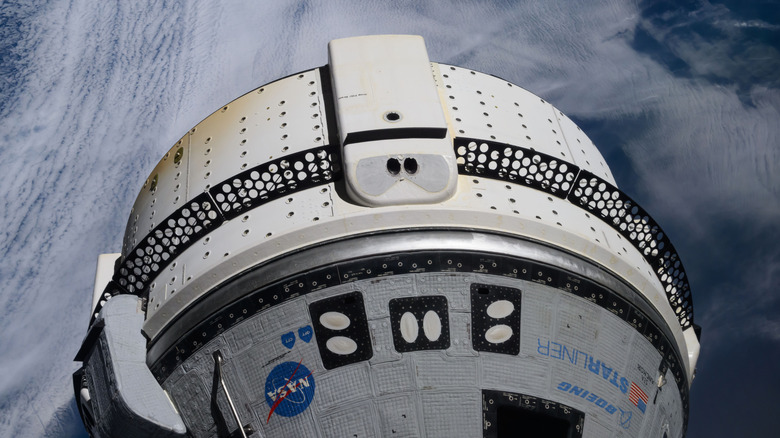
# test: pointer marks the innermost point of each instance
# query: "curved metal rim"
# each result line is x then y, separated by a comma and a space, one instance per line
389, 243
351, 252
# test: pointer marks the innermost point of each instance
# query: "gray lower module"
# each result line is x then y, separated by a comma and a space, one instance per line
386, 246
574, 352
116, 390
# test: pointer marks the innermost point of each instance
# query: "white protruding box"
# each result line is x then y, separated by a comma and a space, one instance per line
692, 342
396, 143
103, 274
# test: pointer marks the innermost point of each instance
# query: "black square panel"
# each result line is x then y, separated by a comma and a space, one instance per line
495, 318
507, 414
341, 328
420, 323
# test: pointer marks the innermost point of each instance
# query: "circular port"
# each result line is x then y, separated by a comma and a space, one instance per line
432, 326
393, 166
341, 345
498, 334
334, 320
500, 309
409, 328
410, 166
392, 116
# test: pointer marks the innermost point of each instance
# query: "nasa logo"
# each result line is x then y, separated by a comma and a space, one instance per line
289, 389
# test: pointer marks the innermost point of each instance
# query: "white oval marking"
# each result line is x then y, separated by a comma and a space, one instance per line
409, 328
498, 334
500, 309
334, 320
432, 325
341, 345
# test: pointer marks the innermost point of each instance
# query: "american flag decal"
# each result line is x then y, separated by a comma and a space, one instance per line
638, 397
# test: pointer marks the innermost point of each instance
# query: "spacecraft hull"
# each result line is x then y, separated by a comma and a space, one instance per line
327, 257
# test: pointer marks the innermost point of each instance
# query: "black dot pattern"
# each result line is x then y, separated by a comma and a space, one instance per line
584, 189
306, 169
274, 179
225, 201
632, 222
352, 306
515, 164
482, 296
175, 234
419, 307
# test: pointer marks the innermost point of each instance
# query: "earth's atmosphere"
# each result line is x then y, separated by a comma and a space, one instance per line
682, 98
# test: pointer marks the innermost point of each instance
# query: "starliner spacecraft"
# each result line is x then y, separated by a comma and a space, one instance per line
386, 246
